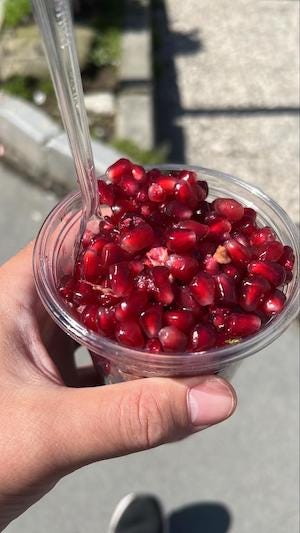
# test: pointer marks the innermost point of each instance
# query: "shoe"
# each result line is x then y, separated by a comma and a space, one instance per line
138, 514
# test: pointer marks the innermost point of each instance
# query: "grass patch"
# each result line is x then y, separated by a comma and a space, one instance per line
18, 86
106, 49
16, 12
139, 155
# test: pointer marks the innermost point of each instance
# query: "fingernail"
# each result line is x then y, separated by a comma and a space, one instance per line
210, 402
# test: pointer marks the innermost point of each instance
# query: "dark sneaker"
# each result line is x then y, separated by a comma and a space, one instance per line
138, 514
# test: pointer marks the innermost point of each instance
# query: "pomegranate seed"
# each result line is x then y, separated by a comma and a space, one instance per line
151, 321
187, 194
241, 238
172, 339
163, 289
262, 236
144, 282
206, 248
87, 238
210, 265
201, 230
288, 276
129, 186
239, 254
271, 251
120, 168
252, 291
242, 325
67, 287
188, 176
106, 193
136, 266
287, 259
153, 174
185, 300
178, 210
138, 238
225, 289
250, 214
202, 190
121, 279
153, 345
219, 229
183, 267
129, 333
219, 317
203, 288
106, 226
130, 221
138, 173
182, 319
83, 293
157, 256
132, 306
98, 243
181, 240
89, 317
273, 304
111, 254
106, 320
120, 208
142, 196
233, 272
273, 272
202, 337
168, 183
91, 268
156, 193
229, 208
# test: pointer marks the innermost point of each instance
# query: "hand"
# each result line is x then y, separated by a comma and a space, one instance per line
52, 423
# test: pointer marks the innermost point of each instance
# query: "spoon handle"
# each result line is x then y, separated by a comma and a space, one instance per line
55, 23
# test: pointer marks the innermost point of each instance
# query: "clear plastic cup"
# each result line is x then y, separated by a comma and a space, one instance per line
54, 257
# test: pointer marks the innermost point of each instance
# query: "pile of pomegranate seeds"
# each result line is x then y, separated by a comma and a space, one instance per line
169, 271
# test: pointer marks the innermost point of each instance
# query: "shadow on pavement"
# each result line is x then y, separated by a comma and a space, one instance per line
200, 518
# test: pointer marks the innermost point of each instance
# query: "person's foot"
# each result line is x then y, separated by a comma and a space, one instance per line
138, 514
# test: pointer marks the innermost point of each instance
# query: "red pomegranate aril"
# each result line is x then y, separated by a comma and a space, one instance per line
252, 291
219, 317
272, 251
181, 240
183, 267
250, 214
187, 194
241, 238
106, 320
153, 345
202, 189
156, 193
185, 300
84, 293
168, 183
243, 324
151, 321
203, 288
138, 173
111, 254
130, 334
120, 208
273, 272
129, 186
229, 208
262, 236
136, 266
172, 339
225, 289
202, 337
177, 210
119, 169
273, 303
142, 195
121, 279
163, 290
89, 317
239, 254
188, 176
219, 229
287, 258
288, 276
137, 239
206, 248
201, 230
106, 193
233, 272
91, 267
132, 306
67, 287
98, 244
210, 265
182, 319
87, 238
130, 221
106, 226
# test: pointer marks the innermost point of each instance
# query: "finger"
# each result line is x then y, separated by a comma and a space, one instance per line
93, 424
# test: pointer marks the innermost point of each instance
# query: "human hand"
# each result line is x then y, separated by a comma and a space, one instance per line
53, 423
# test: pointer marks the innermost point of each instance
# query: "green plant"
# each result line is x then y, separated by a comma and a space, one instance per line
107, 47
16, 11
18, 86
139, 155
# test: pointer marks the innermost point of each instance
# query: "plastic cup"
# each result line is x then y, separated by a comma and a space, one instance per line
54, 257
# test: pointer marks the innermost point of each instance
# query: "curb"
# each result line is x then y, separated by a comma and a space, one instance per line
38, 148
135, 115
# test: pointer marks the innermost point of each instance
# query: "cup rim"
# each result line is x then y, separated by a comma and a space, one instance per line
109, 348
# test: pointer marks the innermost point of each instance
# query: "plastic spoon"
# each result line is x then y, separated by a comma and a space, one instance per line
55, 23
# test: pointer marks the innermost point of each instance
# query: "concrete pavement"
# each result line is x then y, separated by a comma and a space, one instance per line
239, 477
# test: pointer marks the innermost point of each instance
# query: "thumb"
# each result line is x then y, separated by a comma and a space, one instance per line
99, 423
